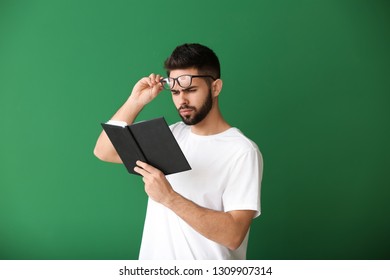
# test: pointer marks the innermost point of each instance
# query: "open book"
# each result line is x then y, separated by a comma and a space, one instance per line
149, 141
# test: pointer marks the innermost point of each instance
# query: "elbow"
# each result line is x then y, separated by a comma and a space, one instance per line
235, 243
233, 247
99, 154
106, 156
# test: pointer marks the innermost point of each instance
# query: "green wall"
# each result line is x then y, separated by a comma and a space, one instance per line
308, 81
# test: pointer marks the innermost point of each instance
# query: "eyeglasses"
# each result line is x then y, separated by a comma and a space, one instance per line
183, 81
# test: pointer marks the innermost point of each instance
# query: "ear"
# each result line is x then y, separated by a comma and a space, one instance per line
216, 87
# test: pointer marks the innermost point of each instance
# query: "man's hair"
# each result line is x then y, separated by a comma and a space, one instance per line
194, 56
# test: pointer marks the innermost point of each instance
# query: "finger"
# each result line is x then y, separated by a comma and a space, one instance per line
159, 83
147, 167
141, 171
152, 78
155, 78
158, 78
147, 81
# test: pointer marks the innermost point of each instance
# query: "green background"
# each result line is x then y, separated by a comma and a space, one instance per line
308, 81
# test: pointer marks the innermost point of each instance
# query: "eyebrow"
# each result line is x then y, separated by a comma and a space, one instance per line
184, 89
190, 87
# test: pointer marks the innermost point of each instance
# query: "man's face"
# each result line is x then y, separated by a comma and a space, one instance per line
194, 102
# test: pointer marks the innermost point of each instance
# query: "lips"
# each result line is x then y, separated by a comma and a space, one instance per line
185, 110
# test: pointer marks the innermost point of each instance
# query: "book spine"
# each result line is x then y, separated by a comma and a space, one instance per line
135, 144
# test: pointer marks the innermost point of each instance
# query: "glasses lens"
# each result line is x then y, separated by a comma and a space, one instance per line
184, 81
166, 83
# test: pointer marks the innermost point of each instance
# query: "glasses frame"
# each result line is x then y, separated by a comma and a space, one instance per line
165, 81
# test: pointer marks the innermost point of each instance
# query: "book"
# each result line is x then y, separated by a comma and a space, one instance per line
150, 141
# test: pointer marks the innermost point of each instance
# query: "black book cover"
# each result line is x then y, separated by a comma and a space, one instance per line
150, 141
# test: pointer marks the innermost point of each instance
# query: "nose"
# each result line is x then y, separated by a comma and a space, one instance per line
182, 98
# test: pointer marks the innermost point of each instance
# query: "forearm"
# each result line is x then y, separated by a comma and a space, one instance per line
129, 111
227, 229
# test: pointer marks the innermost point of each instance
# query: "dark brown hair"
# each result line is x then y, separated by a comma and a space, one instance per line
194, 56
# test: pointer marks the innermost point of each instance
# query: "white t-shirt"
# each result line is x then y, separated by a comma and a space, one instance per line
226, 175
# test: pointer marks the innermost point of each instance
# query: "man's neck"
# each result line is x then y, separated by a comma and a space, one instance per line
213, 123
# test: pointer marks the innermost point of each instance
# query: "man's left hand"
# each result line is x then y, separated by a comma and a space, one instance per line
157, 186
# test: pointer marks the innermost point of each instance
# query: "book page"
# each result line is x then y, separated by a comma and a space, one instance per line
117, 123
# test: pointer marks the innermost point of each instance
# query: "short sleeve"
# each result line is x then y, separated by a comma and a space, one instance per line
243, 187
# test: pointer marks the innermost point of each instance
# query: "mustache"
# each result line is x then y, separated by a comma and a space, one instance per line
183, 107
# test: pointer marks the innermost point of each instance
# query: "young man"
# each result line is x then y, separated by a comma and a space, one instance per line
204, 213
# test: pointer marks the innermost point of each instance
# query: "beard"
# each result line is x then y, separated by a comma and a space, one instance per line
198, 115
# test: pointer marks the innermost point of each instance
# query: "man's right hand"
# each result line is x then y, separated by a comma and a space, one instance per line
146, 89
